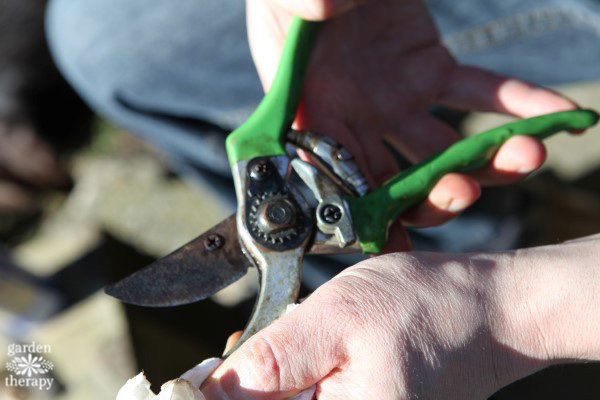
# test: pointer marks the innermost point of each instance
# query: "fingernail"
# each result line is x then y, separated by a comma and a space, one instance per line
525, 170
307, 394
456, 205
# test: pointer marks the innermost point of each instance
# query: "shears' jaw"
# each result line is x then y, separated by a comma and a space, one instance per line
274, 222
277, 225
274, 225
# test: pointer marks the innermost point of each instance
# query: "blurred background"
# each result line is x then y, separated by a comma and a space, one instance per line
84, 203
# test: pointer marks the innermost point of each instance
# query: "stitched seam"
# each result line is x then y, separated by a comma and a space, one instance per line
512, 28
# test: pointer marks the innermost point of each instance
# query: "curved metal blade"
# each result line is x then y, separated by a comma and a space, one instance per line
191, 273
279, 287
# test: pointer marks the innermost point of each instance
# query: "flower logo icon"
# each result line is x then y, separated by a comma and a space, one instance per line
29, 365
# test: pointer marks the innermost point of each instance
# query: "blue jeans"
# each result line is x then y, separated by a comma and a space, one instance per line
179, 73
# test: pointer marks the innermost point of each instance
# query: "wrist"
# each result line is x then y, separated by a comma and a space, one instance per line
544, 304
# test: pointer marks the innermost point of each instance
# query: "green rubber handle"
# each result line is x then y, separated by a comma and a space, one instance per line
263, 134
373, 214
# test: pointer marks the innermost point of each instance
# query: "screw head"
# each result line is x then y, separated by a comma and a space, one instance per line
343, 154
260, 170
213, 242
331, 213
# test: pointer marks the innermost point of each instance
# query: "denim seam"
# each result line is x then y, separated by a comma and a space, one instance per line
512, 28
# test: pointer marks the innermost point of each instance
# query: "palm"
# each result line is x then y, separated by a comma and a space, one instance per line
379, 80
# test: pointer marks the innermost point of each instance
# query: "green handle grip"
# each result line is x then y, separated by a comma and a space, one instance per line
373, 214
263, 134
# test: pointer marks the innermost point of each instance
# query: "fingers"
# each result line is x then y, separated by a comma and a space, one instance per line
290, 355
269, 20
420, 136
518, 157
450, 196
266, 35
398, 239
521, 99
373, 158
472, 88
317, 10
232, 340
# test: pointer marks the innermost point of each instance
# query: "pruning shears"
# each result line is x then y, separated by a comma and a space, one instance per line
287, 208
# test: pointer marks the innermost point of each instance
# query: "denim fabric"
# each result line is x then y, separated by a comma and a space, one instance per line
180, 74
542, 41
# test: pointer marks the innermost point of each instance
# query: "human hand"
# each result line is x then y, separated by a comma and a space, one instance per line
375, 69
426, 326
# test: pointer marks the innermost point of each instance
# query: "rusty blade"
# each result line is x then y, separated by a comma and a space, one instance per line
191, 273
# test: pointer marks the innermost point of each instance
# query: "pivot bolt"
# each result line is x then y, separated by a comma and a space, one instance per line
260, 170
213, 242
331, 213
276, 215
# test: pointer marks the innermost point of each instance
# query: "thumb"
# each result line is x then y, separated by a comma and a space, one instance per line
317, 10
290, 355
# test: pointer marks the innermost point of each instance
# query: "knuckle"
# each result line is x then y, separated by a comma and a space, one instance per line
351, 303
265, 358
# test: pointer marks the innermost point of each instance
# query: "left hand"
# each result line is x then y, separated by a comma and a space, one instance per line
374, 71
419, 325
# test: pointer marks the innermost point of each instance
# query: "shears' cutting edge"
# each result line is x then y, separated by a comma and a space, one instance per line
325, 209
